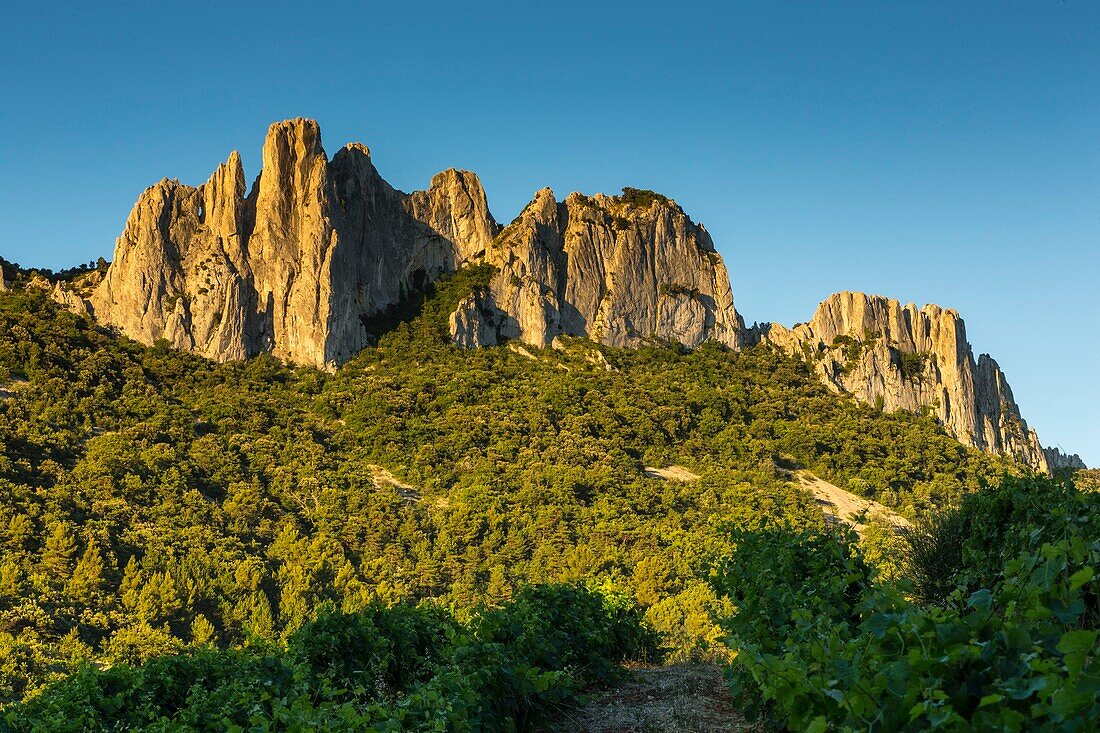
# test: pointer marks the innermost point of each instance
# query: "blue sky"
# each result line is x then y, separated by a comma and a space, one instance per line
933, 152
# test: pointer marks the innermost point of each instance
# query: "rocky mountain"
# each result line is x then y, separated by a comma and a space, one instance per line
317, 246
621, 270
293, 267
905, 357
299, 264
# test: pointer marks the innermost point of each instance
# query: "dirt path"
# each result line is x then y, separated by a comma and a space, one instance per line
685, 698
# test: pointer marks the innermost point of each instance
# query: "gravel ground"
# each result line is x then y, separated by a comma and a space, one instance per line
687, 698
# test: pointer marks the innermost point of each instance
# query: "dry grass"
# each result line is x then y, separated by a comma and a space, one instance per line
686, 698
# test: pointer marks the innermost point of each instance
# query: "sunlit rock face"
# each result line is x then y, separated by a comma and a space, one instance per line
298, 265
295, 266
913, 358
622, 270
317, 246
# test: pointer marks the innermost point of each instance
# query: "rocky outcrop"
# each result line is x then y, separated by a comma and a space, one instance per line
180, 272
299, 265
1057, 460
67, 297
318, 246
295, 267
622, 270
905, 357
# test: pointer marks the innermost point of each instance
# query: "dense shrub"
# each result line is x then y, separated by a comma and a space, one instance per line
386, 669
378, 648
1020, 653
933, 553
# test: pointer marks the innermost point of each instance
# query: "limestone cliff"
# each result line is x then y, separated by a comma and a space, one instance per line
179, 272
317, 246
294, 267
301, 263
1057, 460
913, 358
622, 270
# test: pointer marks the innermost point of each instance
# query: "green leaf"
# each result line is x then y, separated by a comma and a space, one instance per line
981, 600
1081, 577
1075, 647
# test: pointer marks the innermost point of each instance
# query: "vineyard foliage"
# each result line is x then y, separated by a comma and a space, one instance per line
821, 645
383, 669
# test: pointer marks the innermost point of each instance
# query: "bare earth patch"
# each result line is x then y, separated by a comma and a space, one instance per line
841, 505
9, 389
671, 473
522, 351
687, 698
383, 479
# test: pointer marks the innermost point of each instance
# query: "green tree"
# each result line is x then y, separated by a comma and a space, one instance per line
87, 578
60, 549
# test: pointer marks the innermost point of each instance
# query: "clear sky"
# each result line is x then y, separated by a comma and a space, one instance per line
934, 152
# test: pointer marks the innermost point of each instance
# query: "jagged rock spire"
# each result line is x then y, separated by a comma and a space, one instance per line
293, 268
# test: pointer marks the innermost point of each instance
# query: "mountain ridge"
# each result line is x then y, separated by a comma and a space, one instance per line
904, 357
298, 265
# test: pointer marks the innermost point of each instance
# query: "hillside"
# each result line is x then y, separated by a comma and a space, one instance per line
154, 499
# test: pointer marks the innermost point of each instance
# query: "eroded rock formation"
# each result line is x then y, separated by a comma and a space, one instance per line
298, 265
913, 358
622, 270
294, 267
317, 246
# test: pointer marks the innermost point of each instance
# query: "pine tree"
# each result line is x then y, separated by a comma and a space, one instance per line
88, 576
57, 557
260, 623
10, 581
202, 631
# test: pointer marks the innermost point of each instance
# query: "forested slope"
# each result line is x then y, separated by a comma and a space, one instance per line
152, 500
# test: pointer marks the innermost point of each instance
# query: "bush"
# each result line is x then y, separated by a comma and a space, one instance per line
1020, 653
377, 649
571, 627
401, 668
933, 548
911, 364
640, 198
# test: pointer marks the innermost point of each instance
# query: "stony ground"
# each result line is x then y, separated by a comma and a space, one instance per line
686, 698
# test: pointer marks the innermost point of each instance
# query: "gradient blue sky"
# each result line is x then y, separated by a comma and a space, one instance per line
933, 152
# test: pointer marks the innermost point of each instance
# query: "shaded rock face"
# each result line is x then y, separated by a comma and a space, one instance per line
903, 357
294, 267
620, 270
